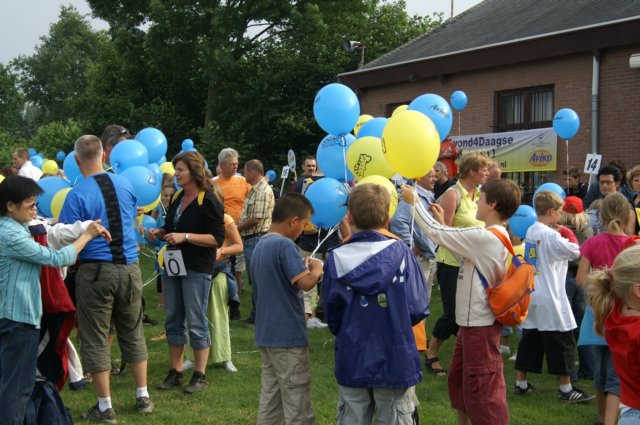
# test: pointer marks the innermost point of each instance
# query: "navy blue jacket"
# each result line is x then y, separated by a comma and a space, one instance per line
374, 292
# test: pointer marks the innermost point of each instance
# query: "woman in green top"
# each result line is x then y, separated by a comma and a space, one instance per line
459, 205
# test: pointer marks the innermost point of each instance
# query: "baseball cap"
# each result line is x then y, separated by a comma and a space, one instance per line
572, 205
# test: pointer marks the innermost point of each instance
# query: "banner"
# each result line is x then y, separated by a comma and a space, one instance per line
527, 150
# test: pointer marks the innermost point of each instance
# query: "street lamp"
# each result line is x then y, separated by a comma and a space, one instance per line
351, 46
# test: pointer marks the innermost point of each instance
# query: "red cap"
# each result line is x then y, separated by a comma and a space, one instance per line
573, 205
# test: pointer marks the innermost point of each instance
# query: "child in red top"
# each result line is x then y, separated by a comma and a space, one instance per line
615, 297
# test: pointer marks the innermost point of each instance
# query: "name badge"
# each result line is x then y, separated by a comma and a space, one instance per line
174, 263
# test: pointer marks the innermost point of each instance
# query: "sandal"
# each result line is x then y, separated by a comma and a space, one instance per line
437, 371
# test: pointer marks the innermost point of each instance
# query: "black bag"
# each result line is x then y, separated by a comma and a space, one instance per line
46, 407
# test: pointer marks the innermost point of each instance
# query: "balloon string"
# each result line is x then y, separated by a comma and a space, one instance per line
459, 120
343, 141
331, 230
566, 142
412, 219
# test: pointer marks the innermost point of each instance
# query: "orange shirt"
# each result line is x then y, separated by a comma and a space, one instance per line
448, 147
235, 191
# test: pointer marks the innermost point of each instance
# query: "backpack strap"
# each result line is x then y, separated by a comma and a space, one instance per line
112, 205
507, 244
200, 196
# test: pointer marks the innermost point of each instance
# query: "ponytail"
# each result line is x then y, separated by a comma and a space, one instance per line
599, 296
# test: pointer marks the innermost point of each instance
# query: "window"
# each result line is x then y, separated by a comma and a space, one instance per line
525, 109
390, 107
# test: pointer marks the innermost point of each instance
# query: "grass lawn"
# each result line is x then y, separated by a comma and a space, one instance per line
232, 398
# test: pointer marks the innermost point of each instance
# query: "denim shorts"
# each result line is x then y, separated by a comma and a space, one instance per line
630, 417
186, 299
605, 378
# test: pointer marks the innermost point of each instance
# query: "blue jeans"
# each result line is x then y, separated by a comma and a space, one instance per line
249, 246
185, 300
630, 417
18, 357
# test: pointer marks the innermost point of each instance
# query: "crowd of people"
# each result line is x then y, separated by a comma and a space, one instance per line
369, 280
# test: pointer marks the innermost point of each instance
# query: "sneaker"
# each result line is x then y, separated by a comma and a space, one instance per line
522, 391
144, 405
173, 379
513, 357
95, 415
505, 350
575, 396
315, 323
229, 366
146, 320
234, 312
78, 385
198, 382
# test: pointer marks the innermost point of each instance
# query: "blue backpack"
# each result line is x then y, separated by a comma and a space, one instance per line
46, 407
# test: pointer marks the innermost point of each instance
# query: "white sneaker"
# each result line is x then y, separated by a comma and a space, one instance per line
513, 358
187, 365
315, 323
505, 350
229, 366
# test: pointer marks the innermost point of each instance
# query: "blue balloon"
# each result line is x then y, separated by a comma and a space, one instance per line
331, 155
147, 223
145, 185
71, 170
336, 109
155, 142
523, 218
437, 110
272, 175
187, 144
60, 156
373, 128
51, 186
566, 123
32, 152
162, 160
458, 100
37, 161
128, 153
329, 199
551, 187
156, 170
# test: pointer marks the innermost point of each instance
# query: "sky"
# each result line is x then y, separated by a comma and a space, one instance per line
23, 22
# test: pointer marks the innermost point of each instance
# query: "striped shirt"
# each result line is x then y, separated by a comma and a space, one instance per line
20, 261
259, 204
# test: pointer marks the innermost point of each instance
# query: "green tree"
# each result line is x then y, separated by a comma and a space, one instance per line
56, 136
11, 102
55, 77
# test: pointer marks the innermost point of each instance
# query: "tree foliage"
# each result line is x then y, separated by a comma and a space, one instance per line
11, 102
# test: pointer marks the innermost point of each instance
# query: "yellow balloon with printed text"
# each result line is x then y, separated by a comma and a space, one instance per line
365, 158
58, 201
387, 184
411, 143
361, 121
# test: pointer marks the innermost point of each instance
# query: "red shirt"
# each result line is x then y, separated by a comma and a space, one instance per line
448, 147
623, 336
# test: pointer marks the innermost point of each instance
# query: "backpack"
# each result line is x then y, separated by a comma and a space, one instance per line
45, 407
509, 299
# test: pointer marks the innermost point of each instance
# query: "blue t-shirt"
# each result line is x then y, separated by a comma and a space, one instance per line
85, 202
276, 261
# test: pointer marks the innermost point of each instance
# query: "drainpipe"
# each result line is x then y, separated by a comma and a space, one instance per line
595, 90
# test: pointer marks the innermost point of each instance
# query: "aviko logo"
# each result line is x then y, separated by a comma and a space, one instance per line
540, 158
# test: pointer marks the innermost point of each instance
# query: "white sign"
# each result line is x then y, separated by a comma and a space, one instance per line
174, 263
592, 163
285, 172
291, 159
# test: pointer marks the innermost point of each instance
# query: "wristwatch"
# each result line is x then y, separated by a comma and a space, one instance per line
186, 237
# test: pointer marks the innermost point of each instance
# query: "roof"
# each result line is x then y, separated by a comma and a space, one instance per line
495, 22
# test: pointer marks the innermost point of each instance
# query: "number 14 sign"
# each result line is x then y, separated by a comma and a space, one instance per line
592, 163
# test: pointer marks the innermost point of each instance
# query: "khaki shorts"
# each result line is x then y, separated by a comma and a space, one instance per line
107, 292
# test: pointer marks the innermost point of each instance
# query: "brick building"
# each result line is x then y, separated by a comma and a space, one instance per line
519, 62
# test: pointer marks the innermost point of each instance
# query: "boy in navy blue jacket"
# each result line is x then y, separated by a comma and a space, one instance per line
374, 292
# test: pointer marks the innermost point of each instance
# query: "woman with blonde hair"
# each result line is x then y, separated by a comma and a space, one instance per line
615, 298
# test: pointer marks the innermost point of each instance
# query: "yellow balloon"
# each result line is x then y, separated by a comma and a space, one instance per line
363, 119
411, 143
161, 256
386, 183
1, 178
167, 168
58, 200
365, 158
50, 167
399, 109
151, 206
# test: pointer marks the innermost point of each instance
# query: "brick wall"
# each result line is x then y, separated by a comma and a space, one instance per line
571, 76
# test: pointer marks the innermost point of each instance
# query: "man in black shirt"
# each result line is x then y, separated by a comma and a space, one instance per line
442, 179
574, 186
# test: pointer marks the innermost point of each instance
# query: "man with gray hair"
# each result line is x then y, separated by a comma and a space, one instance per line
442, 179
108, 281
235, 189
